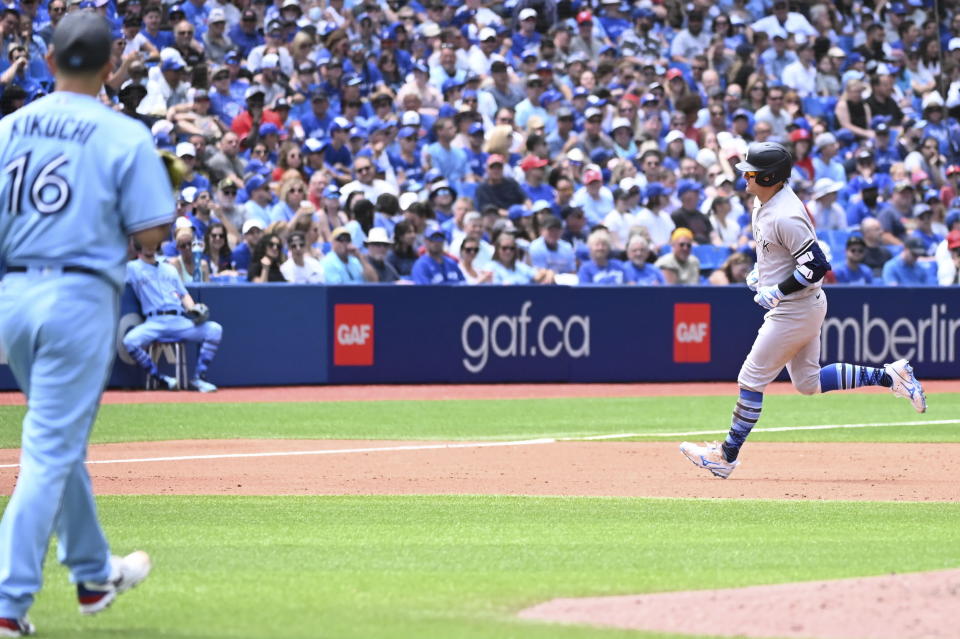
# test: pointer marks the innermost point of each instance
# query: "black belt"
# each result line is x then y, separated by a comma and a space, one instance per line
163, 313
65, 269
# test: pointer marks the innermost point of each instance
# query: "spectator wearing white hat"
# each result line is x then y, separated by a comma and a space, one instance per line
252, 231
526, 34
481, 54
187, 153
825, 163
216, 42
827, 214
378, 245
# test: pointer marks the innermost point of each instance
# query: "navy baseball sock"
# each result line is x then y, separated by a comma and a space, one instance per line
745, 415
846, 376
207, 351
140, 356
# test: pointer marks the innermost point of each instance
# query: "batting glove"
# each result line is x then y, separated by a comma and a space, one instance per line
768, 297
753, 279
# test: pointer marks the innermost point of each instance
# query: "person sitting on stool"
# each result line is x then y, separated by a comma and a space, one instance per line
166, 305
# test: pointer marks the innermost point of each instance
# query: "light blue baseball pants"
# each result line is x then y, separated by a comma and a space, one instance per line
59, 332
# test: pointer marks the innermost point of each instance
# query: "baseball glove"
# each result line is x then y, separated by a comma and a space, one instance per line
176, 169
199, 314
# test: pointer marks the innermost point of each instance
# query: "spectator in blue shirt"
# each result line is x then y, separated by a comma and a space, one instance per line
550, 252
527, 35
245, 34
904, 270
826, 163
853, 270
640, 271
535, 188
252, 231
451, 161
601, 269
434, 267
344, 264
923, 216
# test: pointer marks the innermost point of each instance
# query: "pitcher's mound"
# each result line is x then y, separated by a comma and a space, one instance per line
912, 606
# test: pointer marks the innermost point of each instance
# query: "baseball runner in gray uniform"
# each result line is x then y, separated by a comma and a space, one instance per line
787, 279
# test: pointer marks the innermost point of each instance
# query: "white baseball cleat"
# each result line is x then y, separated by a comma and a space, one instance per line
202, 385
710, 457
905, 384
10, 627
125, 573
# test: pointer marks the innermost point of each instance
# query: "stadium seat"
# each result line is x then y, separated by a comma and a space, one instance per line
836, 240
931, 267
711, 257
468, 189
895, 249
180, 361
813, 107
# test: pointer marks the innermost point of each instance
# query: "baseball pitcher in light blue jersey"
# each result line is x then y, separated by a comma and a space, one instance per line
167, 305
76, 179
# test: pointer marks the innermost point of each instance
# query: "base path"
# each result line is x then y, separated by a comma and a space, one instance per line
901, 472
911, 606
449, 391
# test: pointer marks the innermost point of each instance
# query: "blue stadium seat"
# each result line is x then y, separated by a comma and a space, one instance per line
468, 189
813, 107
325, 247
930, 266
895, 249
836, 240
711, 257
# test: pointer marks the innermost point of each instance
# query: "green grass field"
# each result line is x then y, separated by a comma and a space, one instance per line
462, 566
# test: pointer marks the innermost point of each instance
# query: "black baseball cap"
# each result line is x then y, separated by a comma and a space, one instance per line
82, 41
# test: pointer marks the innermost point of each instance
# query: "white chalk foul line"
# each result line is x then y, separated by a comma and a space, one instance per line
524, 442
777, 429
325, 451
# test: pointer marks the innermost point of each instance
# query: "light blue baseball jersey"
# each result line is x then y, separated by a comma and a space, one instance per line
76, 178
157, 286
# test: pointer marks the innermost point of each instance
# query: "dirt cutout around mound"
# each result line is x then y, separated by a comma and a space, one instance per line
911, 606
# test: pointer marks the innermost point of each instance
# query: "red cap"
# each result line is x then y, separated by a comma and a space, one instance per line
592, 176
953, 240
532, 162
584, 16
673, 73
495, 159
799, 134
953, 168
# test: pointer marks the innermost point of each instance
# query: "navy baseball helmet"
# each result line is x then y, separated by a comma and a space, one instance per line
770, 160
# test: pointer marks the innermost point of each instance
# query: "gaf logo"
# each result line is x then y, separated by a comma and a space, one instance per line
353, 335
691, 333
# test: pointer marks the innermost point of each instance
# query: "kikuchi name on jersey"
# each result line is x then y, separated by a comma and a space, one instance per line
60, 127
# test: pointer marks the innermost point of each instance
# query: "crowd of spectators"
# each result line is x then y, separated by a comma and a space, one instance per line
531, 141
